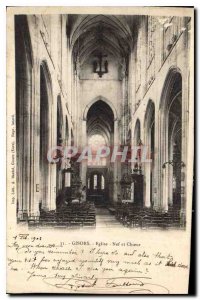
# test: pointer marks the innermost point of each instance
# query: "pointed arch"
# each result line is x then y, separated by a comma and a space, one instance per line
137, 132
149, 141
171, 142
44, 67
172, 74
109, 103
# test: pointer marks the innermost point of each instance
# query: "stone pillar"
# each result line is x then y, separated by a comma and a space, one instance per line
163, 157
170, 184
147, 165
117, 165
35, 144
147, 184
165, 188
189, 97
187, 123
144, 54
64, 44
68, 175
24, 157
53, 141
69, 77
185, 150
83, 144
157, 165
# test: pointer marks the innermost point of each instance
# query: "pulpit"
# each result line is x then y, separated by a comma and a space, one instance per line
76, 183
76, 186
126, 188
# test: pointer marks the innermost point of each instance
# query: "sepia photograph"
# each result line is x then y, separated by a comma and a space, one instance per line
100, 146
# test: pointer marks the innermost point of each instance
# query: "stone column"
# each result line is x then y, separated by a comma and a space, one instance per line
83, 144
187, 122
157, 167
147, 184
68, 175
147, 165
189, 125
117, 165
53, 141
35, 143
163, 156
186, 133
144, 54
24, 201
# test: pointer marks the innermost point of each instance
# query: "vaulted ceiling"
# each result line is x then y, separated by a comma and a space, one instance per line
103, 33
100, 120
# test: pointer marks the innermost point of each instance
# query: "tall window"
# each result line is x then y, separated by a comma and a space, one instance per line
95, 182
102, 182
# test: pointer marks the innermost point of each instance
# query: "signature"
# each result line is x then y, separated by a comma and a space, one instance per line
132, 285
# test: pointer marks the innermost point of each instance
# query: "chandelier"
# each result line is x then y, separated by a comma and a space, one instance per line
99, 67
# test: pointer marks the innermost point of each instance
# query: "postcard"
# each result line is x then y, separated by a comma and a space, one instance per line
100, 146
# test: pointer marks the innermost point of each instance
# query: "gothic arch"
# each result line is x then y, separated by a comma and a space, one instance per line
168, 84
149, 123
47, 74
109, 103
137, 132
171, 137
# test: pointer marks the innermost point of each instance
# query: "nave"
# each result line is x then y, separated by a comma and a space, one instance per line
106, 85
86, 215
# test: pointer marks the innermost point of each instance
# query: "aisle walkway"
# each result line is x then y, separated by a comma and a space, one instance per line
104, 219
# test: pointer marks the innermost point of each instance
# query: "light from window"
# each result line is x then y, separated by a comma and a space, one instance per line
94, 142
95, 182
102, 182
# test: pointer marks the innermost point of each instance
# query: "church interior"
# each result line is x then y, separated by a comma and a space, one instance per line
113, 80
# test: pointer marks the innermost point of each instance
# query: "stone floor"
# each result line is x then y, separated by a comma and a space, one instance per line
104, 219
